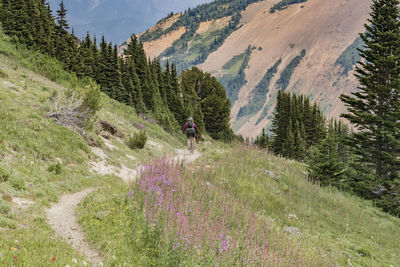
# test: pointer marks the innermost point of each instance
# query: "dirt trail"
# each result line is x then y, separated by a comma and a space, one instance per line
63, 219
184, 155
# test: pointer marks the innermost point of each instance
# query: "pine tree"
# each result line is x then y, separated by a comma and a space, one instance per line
375, 108
324, 165
288, 147
61, 17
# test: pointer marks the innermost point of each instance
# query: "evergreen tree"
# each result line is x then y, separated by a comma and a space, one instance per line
325, 165
375, 108
61, 17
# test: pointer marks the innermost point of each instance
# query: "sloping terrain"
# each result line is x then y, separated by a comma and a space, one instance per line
41, 161
324, 29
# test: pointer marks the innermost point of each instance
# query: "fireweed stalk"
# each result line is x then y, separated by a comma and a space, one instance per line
204, 223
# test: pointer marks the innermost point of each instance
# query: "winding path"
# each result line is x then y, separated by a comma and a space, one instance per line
63, 220
62, 217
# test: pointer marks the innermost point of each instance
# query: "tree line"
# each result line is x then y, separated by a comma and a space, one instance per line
132, 79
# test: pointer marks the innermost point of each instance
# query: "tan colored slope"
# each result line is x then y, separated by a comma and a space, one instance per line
155, 48
324, 28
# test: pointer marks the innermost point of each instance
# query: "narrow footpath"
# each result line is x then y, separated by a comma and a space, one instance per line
63, 219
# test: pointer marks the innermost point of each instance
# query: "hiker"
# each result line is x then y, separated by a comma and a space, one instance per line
190, 129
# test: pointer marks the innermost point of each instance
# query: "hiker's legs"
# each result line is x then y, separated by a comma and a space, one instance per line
188, 142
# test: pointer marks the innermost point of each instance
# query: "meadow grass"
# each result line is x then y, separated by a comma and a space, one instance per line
232, 208
40, 161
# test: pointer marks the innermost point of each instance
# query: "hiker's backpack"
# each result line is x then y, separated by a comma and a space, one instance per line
190, 124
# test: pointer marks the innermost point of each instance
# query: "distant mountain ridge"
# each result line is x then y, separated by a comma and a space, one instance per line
241, 42
118, 19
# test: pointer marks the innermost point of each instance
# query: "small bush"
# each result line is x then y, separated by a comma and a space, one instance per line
18, 183
4, 175
55, 168
138, 140
3, 74
4, 208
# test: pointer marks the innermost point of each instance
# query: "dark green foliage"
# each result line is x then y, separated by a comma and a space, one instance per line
328, 161
4, 175
3, 74
62, 17
374, 109
259, 94
350, 56
262, 141
138, 140
286, 74
4, 208
284, 4
55, 168
209, 101
234, 81
296, 125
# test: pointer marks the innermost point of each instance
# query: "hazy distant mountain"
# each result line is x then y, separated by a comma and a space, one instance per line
118, 19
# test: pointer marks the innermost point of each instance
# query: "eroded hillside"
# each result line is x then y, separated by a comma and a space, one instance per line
306, 38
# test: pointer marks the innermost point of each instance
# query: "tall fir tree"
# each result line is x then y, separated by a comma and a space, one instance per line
374, 109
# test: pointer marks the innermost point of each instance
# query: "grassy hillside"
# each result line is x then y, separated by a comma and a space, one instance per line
236, 205
40, 160
262, 202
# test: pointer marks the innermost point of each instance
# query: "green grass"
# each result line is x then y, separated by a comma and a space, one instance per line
328, 219
335, 226
42, 160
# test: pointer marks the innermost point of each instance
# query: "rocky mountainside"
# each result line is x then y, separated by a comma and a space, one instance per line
118, 19
307, 47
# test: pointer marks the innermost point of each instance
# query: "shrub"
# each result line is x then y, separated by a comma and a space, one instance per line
55, 168
18, 183
138, 140
4, 208
3, 74
4, 175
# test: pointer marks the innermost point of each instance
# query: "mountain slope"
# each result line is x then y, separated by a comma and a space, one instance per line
323, 29
40, 161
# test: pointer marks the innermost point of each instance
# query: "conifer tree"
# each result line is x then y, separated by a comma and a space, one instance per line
375, 108
325, 165
61, 17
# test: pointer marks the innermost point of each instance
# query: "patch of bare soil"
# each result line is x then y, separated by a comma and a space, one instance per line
101, 167
185, 156
62, 218
155, 48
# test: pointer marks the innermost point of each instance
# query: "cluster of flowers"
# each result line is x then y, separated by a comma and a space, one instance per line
201, 220
139, 125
